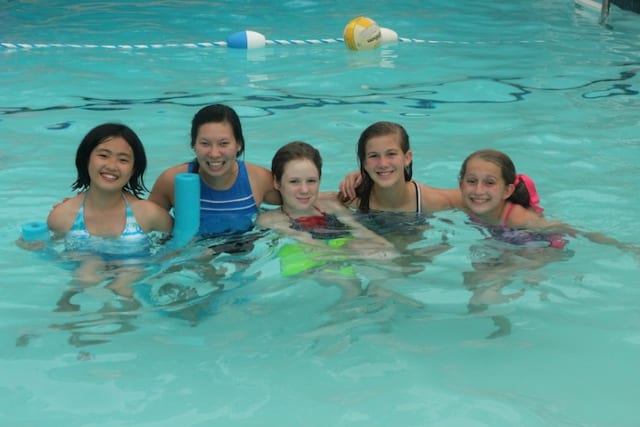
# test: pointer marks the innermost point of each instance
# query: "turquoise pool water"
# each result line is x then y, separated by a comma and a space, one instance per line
539, 80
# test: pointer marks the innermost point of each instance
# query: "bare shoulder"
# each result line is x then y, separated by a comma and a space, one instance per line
331, 205
335, 196
149, 215
262, 185
259, 176
528, 218
162, 192
63, 214
141, 205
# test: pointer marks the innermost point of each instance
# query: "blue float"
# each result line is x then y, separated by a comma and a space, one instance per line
36, 231
246, 40
186, 209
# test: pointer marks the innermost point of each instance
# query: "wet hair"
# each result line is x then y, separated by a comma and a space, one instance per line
295, 150
218, 113
363, 191
97, 136
521, 194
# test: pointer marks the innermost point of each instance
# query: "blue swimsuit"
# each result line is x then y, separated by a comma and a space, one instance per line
133, 242
226, 212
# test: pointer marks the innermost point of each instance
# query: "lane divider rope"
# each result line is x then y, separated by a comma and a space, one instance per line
279, 42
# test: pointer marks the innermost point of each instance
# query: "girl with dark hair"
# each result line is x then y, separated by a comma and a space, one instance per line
231, 190
386, 161
107, 219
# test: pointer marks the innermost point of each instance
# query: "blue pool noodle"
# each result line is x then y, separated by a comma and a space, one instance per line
186, 210
35, 231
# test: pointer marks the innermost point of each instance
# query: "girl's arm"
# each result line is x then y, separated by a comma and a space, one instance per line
527, 218
63, 215
347, 187
261, 181
164, 187
152, 217
439, 199
358, 230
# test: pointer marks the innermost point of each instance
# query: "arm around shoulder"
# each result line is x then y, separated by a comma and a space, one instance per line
262, 185
162, 193
439, 199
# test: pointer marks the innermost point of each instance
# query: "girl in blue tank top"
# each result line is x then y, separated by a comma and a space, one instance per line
232, 190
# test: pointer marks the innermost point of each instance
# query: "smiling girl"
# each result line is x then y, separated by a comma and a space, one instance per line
231, 190
107, 222
110, 162
386, 167
309, 217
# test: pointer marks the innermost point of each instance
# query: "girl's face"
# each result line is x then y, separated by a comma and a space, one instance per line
484, 192
111, 164
384, 160
216, 149
299, 187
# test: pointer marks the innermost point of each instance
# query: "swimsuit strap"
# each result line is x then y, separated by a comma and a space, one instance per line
418, 197
323, 213
78, 224
131, 226
506, 214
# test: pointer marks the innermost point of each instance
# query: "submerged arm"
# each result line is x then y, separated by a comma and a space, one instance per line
530, 219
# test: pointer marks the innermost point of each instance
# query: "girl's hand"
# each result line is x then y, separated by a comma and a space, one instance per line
33, 245
348, 186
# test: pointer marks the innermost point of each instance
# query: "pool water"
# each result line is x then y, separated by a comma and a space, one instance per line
230, 341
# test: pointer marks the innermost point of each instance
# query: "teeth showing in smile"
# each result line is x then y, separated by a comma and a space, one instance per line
478, 201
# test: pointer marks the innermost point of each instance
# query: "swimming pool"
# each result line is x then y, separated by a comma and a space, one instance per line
539, 80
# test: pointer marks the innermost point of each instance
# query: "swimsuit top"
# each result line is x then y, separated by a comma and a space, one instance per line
226, 212
418, 199
384, 222
519, 236
133, 242
324, 226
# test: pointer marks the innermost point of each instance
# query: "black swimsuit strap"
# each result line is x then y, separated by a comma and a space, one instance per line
418, 197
